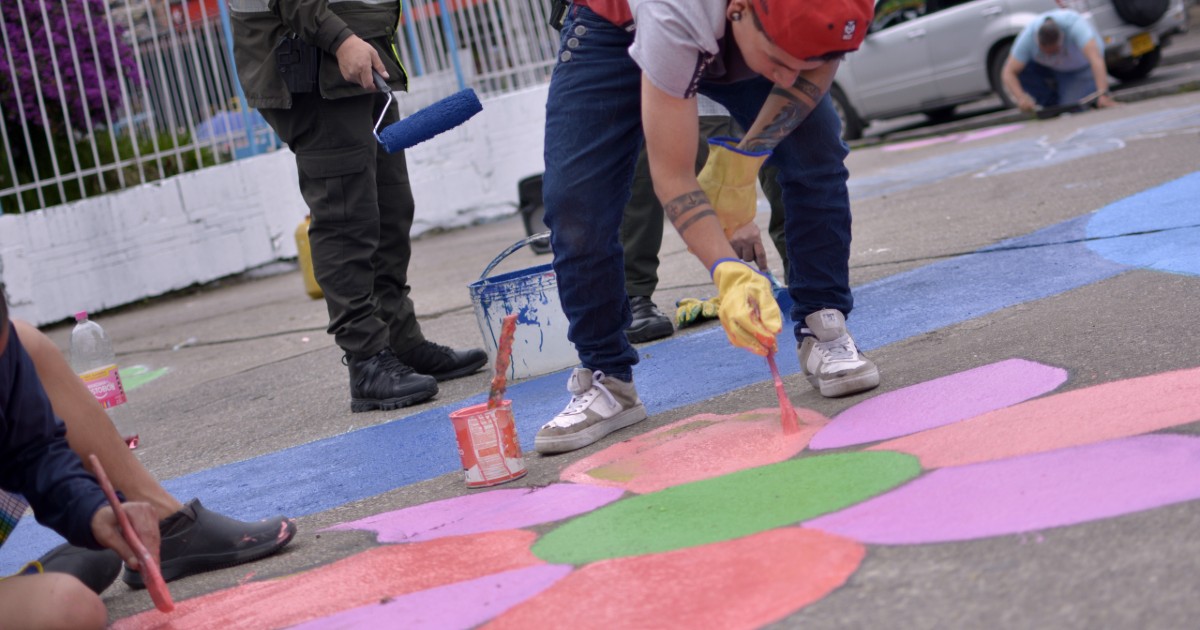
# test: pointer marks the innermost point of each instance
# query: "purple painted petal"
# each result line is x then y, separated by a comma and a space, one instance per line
1028, 493
939, 402
484, 512
463, 605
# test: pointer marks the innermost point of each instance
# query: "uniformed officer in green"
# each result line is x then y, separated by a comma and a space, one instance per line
307, 66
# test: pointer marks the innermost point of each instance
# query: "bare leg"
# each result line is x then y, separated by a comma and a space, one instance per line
50, 601
88, 428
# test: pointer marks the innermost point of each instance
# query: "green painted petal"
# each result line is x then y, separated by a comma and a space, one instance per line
727, 507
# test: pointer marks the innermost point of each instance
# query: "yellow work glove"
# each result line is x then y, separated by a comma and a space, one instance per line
690, 310
730, 180
748, 309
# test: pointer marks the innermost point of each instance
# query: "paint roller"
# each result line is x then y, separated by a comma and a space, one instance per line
426, 123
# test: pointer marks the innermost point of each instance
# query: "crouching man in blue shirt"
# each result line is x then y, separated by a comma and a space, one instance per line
1057, 60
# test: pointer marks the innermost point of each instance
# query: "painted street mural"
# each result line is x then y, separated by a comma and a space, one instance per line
647, 528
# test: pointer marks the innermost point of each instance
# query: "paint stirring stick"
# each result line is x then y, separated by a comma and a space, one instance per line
786, 410
503, 354
149, 569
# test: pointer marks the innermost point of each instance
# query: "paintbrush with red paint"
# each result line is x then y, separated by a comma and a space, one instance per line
786, 410
787, 413
149, 568
503, 354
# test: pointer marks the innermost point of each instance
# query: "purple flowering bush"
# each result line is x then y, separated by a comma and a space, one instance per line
27, 63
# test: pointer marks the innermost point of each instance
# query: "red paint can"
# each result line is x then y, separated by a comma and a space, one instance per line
487, 444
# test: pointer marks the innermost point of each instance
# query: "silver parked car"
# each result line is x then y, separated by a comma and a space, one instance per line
930, 56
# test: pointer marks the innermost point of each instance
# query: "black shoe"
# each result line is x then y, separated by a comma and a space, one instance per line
648, 322
383, 382
195, 540
96, 568
444, 363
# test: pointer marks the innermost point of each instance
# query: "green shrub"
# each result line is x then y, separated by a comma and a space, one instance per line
112, 166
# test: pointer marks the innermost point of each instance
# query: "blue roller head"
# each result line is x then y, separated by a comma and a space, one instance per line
443, 115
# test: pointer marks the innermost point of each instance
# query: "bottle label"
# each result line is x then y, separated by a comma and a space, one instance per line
105, 385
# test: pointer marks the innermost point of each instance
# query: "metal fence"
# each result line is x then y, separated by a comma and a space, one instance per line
100, 95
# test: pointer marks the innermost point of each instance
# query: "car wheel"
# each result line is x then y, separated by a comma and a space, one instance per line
1137, 68
1141, 12
852, 125
941, 114
995, 67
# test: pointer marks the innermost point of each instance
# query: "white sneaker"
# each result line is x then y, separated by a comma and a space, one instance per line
831, 361
599, 405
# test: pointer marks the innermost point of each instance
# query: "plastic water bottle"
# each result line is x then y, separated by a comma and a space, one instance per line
93, 359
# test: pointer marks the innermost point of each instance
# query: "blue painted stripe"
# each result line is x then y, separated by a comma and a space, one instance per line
680, 371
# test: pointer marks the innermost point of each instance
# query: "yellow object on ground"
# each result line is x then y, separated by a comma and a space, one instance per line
306, 266
688, 311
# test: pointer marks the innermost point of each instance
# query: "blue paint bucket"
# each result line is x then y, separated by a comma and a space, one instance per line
540, 344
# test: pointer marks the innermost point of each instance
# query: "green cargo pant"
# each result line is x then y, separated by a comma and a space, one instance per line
362, 211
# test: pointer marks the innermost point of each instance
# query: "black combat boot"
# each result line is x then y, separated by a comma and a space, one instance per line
383, 382
443, 363
648, 322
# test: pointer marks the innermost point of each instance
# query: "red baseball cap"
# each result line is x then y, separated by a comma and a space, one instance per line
808, 29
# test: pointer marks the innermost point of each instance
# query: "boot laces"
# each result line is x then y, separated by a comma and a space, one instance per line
392, 365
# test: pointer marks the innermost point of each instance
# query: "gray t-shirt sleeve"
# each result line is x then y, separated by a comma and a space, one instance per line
673, 44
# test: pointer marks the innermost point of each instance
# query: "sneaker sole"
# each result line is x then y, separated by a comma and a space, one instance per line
183, 567
462, 371
358, 405
846, 385
650, 332
590, 435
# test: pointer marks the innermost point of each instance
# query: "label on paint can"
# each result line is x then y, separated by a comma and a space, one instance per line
487, 444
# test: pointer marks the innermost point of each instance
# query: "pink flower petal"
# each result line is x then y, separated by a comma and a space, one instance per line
1083, 416
940, 402
1033, 492
700, 447
742, 583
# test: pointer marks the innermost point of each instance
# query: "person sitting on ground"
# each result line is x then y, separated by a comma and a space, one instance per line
194, 539
1058, 59
36, 461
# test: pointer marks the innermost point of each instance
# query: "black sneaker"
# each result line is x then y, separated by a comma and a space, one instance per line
648, 322
96, 568
383, 382
195, 540
444, 363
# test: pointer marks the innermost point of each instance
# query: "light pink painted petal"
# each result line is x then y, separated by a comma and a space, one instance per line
700, 447
1028, 493
493, 510
940, 402
1082, 416
358, 580
462, 605
742, 583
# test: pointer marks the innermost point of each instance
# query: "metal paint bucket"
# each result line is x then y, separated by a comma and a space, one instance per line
540, 344
487, 444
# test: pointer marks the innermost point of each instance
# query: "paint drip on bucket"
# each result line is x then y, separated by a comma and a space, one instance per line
487, 444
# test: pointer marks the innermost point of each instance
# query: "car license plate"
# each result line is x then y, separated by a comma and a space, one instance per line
1141, 44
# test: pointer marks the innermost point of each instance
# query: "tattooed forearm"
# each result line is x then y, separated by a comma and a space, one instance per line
683, 204
688, 208
789, 117
708, 212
